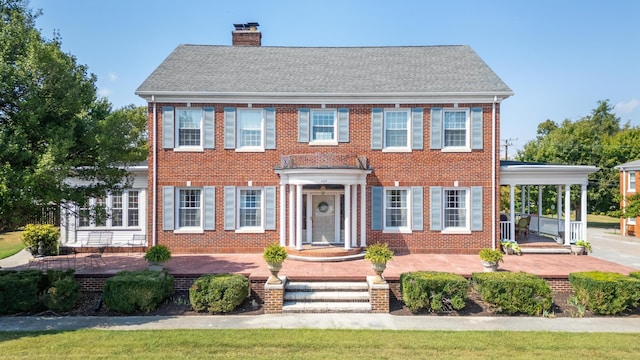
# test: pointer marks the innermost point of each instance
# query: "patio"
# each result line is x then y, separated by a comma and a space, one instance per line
557, 266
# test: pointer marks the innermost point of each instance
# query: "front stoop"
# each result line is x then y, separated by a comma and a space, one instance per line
327, 297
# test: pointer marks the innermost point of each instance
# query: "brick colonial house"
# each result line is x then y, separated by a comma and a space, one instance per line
313, 147
629, 186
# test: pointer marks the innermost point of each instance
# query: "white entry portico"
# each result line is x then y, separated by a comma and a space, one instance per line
321, 205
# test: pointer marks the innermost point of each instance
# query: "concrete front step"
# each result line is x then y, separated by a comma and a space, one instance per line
543, 250
326, 307
318, 297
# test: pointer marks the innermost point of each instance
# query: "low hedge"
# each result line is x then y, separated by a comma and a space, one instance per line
514, 293
606, 293
218, 293
433, 291
30, 291
635, 274
130, 291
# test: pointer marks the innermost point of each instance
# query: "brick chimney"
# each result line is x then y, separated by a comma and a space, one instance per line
246, 35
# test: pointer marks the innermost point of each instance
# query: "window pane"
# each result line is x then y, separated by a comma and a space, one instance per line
632, 180
455, 128
396, 212
323, 125
189, 127
133, 209
116, 208
395, 128
101, 212
455, 212
250, 128
189, 211
84, 217
250, 208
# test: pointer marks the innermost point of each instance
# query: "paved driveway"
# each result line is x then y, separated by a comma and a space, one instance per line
624, 250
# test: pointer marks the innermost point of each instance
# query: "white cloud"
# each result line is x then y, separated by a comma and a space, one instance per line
104, 92
627, 107
113, 76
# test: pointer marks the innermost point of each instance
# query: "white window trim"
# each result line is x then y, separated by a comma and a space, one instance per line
467, 147
632, 187
332, 142
250, 229
109, 206
187, 229
458, 229
188, 148
386, 148
260, 148
631, 221
396, 229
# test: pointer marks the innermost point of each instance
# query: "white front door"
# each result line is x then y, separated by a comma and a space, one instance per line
323, 220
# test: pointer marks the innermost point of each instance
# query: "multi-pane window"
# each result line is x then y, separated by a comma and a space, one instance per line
455, 208
189, 208
116, 208
250, 209
189, 127
396, 208
396, 128
133, 208
455, 128
250, 129
323, 125
632, 180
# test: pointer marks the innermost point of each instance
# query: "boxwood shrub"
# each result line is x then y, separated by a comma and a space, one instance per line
30, 291
513, 293
130, 291
635, 274
218, 293
605, 292
433, 291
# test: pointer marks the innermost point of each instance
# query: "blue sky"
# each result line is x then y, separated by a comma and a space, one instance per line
559, 56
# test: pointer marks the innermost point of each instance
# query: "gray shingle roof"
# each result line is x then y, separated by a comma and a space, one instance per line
325, 70
632, 165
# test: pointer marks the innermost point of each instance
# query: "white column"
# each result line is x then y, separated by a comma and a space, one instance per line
292, 216
347, 217
354, 215
363, 215
283, 216
512, 211
539, 207
583, 212
298, 217
559, 206
567, 214
522, 191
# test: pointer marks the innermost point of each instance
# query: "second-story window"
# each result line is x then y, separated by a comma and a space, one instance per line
632, 181
250, 129
396, 129
323, 126
189, 129
456, 129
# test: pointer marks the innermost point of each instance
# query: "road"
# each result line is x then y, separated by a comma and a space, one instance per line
624, 250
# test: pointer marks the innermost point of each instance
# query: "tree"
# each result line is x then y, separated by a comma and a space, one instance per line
596, 139
52, 126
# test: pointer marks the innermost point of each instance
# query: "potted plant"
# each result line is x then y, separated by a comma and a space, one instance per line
274, 255
156, 256
581, 247
378, 254
490, 259
511, 247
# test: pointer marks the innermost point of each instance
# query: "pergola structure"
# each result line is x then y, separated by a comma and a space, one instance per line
526, 175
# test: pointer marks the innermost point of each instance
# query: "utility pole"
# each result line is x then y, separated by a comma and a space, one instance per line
507, 142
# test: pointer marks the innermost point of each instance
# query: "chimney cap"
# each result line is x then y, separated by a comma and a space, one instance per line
251, 26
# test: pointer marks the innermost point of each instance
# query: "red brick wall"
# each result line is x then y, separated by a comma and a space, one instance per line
219, 167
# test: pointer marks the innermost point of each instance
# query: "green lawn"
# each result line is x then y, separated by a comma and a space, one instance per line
10, 243
602, 221
316, 344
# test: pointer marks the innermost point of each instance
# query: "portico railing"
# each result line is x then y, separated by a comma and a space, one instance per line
324, 161
545, 226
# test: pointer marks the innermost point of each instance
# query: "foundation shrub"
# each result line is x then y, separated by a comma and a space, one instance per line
131, 291
63, 294
433, 291
514, 293
635, 274
605, 293
20, 290
218, 293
